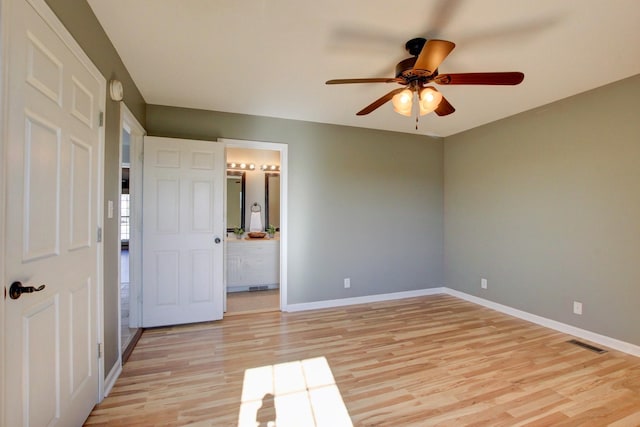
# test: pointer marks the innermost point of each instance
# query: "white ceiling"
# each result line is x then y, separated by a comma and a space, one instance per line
272, 57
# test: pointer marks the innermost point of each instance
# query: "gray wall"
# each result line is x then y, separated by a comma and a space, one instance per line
79, 19
363, 204
546, 206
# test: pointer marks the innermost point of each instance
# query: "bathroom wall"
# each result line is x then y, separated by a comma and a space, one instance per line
254, 179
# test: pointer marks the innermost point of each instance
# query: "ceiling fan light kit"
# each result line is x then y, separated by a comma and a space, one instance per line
402, 102
429, 100
417, 72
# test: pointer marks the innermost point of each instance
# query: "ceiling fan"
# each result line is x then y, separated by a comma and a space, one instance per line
417, 72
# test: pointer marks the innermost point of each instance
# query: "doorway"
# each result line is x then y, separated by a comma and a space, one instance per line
255, 265
130, 233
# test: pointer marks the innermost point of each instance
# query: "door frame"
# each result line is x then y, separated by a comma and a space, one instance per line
3, 180
284, 199
56, 25
129, 123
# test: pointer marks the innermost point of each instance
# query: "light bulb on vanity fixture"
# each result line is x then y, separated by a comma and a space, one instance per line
241, 166
270, 168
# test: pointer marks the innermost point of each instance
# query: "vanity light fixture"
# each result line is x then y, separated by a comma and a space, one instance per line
241, 166
270, 168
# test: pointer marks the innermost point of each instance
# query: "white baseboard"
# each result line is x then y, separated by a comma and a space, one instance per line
362, 300
110, 380
548, 323
606, 341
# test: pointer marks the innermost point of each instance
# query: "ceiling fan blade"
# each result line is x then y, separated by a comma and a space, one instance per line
432, 55
378, 102
444, 108
505, 78
373, 80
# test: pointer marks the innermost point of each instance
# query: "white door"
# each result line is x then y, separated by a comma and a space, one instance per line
52, 196
182, 231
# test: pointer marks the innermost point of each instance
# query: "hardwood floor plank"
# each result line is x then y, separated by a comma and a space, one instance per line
433, 360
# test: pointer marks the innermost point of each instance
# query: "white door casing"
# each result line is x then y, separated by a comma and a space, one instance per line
284, 200
53, 170
3, 180
182, 264
136, 131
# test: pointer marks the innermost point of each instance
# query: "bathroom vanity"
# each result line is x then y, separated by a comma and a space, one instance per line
252, 264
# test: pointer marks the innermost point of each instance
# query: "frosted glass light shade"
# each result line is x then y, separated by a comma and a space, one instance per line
429, 100
402, 102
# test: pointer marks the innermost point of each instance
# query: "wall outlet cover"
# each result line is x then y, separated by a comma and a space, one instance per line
483, 283
577, 307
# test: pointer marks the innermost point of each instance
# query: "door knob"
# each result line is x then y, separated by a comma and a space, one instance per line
17, 289
217, 240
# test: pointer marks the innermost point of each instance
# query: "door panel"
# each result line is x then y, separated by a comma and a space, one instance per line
53, 146
41, 184
42, 356
183, 214
81, 365
80, 194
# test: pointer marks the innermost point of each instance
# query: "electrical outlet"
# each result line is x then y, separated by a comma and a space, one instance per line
577, 307
483, 283
347, 283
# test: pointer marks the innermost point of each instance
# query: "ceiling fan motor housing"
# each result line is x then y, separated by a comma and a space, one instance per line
405, 70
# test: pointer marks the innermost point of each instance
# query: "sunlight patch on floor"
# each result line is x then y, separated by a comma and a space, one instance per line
297, 393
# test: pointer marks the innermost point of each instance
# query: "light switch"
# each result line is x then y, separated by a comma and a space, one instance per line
110, 209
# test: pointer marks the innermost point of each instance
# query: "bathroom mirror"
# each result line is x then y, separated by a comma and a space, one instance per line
272, 199
235, 199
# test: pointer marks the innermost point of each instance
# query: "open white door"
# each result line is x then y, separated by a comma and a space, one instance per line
182, 236
53, 168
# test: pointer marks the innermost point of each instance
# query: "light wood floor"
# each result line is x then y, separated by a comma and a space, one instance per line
423, 361
252, 302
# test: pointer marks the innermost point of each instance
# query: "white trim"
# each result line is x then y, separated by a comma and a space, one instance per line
118, 248
4, 35
137, 133
129, 123
111, 379
284, 202
613, 343
100, 247
363, 300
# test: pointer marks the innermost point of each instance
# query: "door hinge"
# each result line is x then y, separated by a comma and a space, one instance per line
101, 119
99, 235
100, 350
